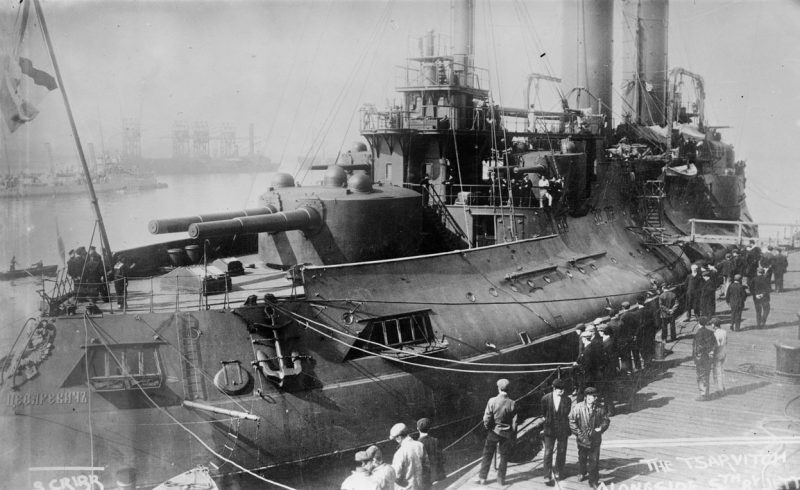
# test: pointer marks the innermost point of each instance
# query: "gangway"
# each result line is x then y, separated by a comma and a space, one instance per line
740, 232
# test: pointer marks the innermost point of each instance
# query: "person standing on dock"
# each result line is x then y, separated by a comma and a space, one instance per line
360, 479
435, 470
735, 297
708, 294
760, 290
555, 409
382, 473
719, 354
409, 459
500, 419
705, 343
121, 271
588, 421
667, 307
779, 264
693, 283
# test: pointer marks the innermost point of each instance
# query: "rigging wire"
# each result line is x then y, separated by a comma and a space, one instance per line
166, 412
308, 321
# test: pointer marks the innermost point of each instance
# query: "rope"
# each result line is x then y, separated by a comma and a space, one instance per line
308, 322
179, 423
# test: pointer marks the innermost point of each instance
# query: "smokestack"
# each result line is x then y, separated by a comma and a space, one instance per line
588, 51
464, 41
644, 61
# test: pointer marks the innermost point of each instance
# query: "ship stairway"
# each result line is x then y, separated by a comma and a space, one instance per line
63, 289
445, 223
652, 203
194, 386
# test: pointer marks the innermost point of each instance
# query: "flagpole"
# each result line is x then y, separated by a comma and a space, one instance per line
92, 194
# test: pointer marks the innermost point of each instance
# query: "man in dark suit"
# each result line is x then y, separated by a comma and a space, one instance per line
555, 410
760, 290
735, 297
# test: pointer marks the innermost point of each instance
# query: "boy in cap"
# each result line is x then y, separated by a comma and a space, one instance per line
409, 459
500, 419
555, 408
359, 479
435, 471
382, 473
588, 420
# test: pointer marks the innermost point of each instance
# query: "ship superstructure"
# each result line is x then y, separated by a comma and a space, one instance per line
462, 243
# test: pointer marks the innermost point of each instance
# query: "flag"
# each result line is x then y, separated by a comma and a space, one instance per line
23, 82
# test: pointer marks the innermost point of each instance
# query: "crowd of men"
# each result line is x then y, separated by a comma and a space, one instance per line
416, 465
90, 276
537, 192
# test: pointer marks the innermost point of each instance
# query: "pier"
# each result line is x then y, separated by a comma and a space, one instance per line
662, 437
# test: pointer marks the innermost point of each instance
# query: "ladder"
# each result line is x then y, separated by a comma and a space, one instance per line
194, 386
652, 206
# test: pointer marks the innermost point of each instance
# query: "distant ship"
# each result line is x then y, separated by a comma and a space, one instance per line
110, 178
202, 164
461, 241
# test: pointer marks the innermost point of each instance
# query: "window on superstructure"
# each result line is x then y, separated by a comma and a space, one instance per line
390, 333
128, 367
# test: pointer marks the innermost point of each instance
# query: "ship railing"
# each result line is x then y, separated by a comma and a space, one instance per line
439, 72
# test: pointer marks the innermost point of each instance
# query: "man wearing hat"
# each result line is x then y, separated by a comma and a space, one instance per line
708, 294
590, 361
692, 288
360, 479
409, 459
500, 419
435, 471
667, 307
555, 408
735, 297
382, 473
725, 268
703, 351
779, 265
588, 420
760, 289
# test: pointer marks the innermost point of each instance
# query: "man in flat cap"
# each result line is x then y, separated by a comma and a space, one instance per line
588, 420
360, 479
500, 419
382, 473
555, 408
409, 459
735, 296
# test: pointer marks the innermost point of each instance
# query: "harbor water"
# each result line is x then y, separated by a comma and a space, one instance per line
30, 227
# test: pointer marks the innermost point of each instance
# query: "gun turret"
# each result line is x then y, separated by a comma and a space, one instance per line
175, 225
303, 218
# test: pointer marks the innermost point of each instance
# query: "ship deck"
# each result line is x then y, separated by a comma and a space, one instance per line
661, 437
181, 289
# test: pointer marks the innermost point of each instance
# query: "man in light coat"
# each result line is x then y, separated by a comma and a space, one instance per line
719, 355
409, 459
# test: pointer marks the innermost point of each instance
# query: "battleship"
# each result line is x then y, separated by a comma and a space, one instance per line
458, 242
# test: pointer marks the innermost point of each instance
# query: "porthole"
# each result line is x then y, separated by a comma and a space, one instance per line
594, 267
493, 292
471, 297
582, 270
569, 274
547, 279
232, 378
613, 260
530, 283
514, 288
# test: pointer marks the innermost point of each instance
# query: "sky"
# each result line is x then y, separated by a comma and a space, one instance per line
298, 70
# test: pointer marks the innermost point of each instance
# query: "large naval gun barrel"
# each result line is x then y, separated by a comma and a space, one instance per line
302, 218
175, 225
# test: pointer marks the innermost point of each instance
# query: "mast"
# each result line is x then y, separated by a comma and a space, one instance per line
95, 204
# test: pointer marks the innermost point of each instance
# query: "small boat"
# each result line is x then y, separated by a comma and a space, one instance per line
35, 270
